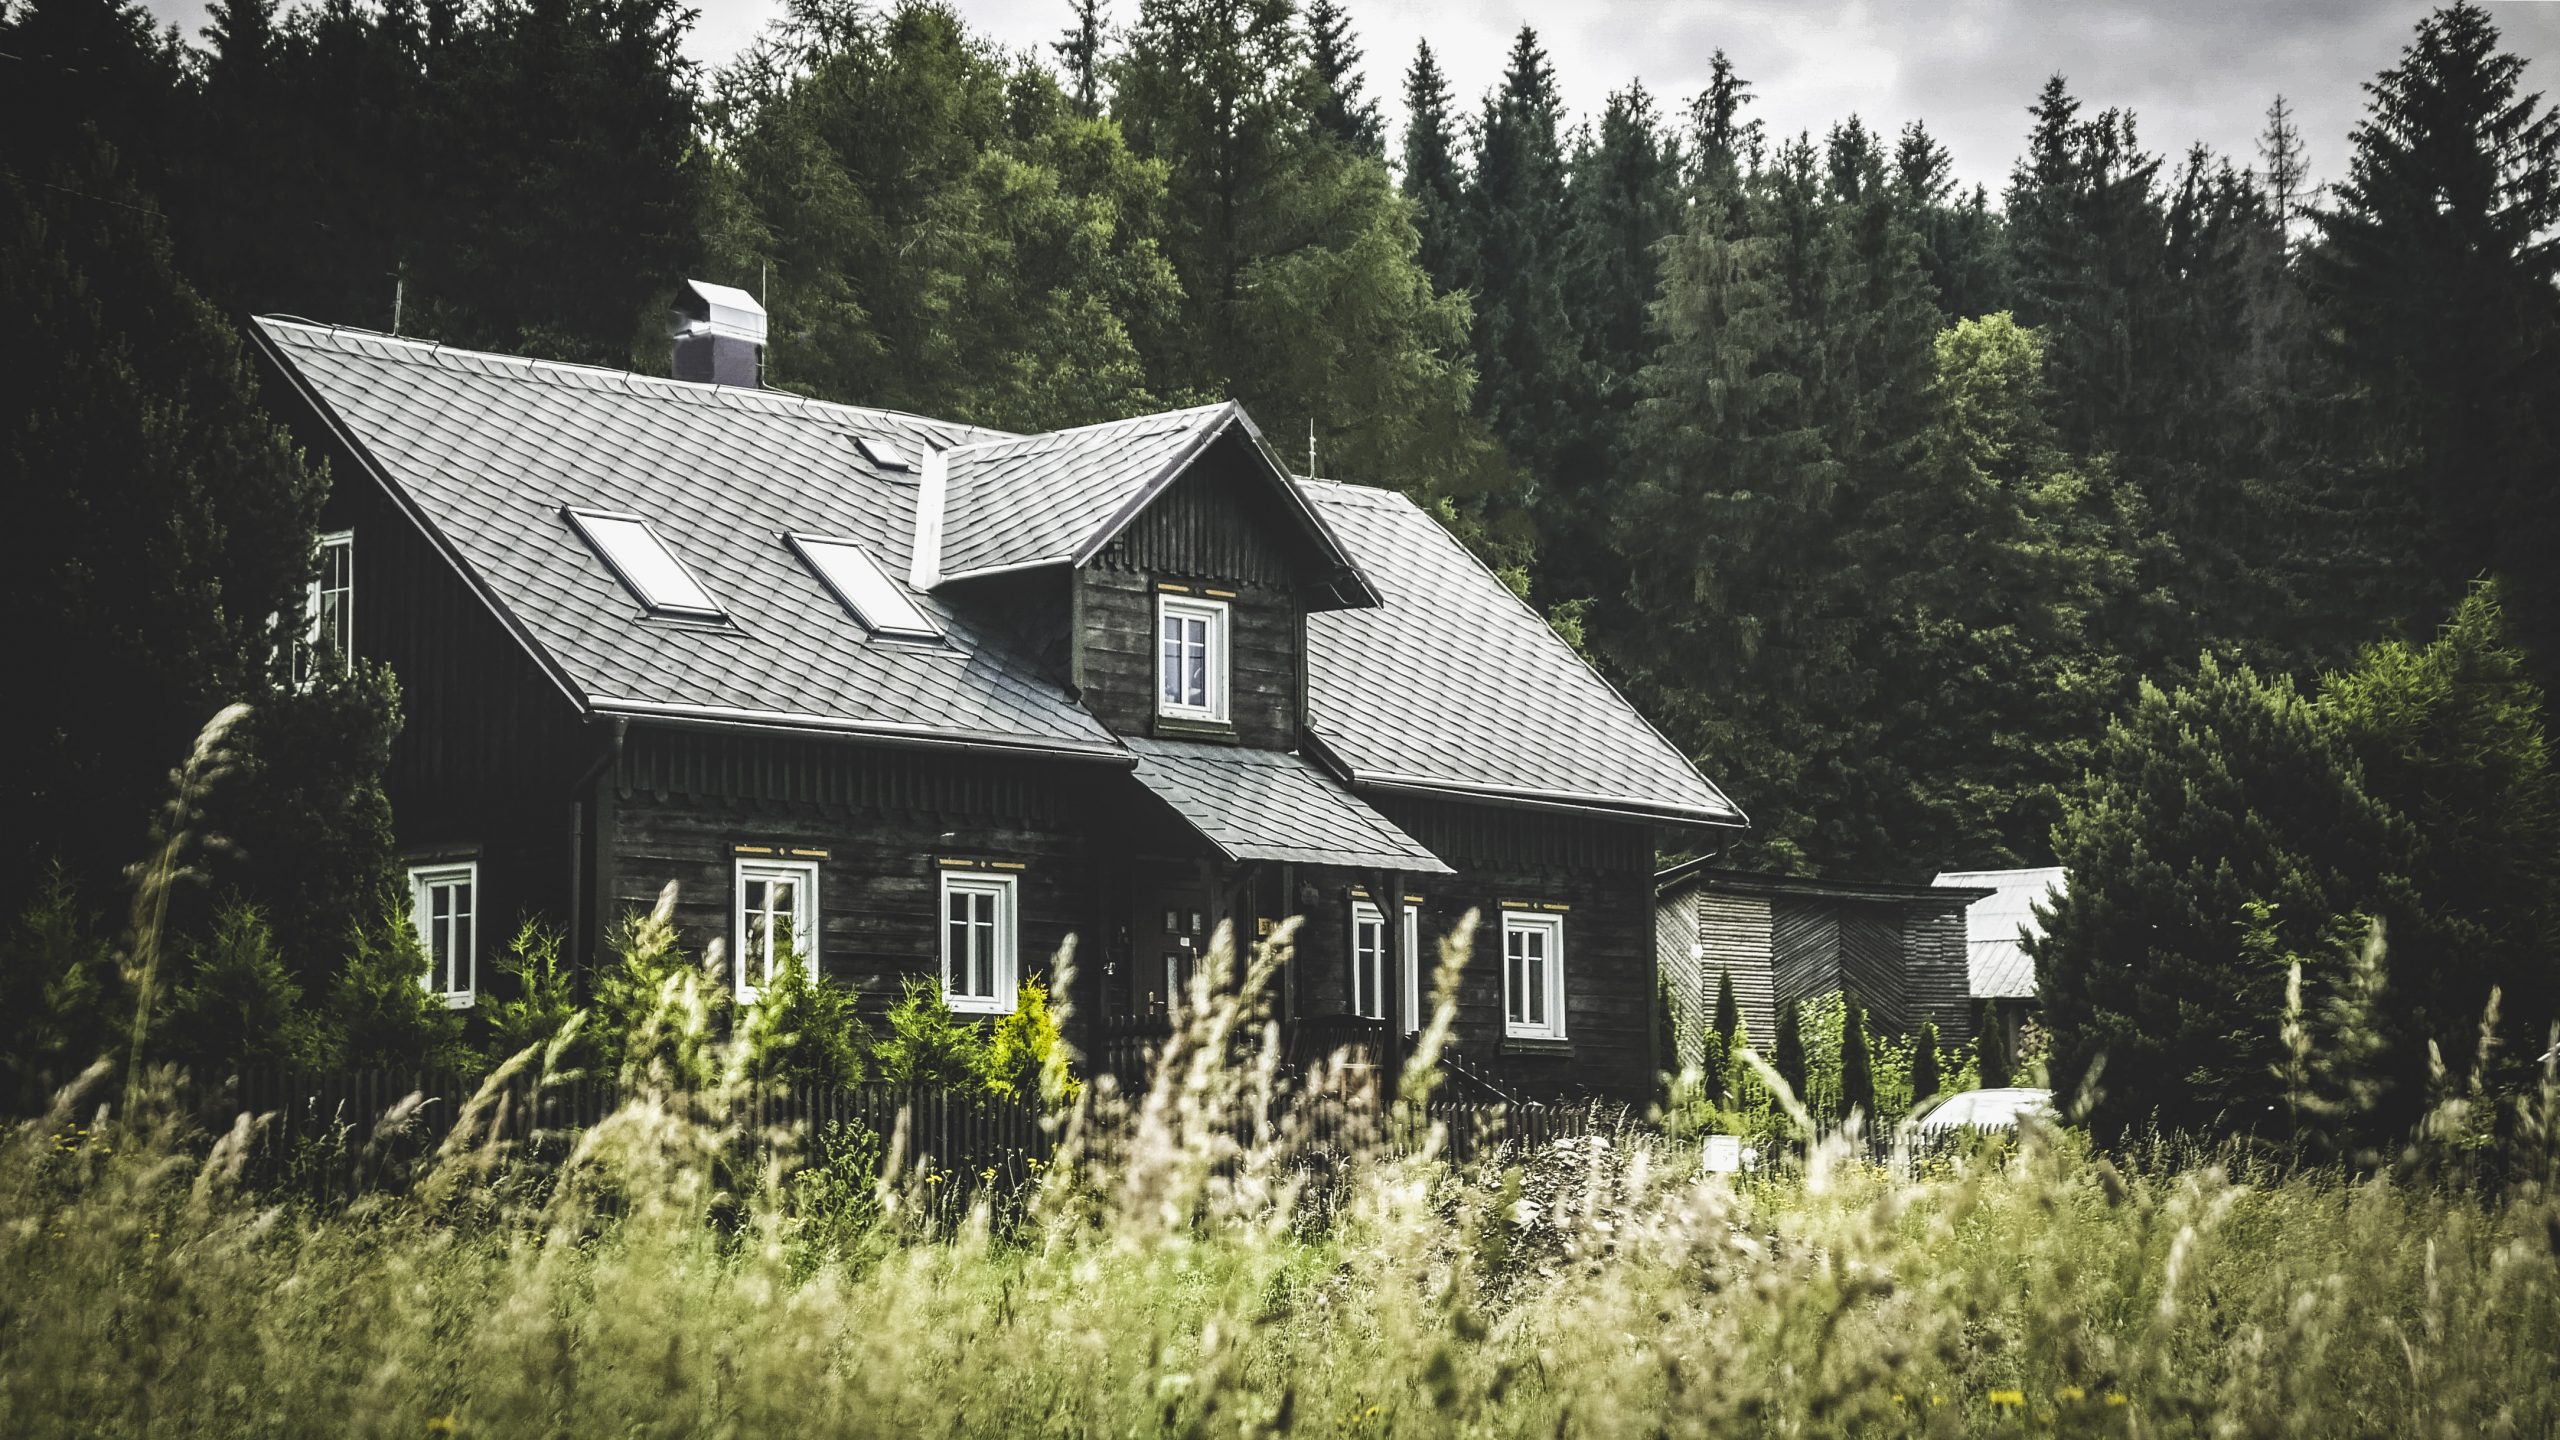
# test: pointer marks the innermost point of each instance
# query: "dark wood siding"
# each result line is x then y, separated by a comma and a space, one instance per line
885, 820
1938, 987
1734, 935
1804, 949
1220, 532
490, 749
1871, 964
1600, 870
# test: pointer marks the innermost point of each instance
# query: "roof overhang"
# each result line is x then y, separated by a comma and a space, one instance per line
1271, 805
1749, 882
1351, 589
725, 717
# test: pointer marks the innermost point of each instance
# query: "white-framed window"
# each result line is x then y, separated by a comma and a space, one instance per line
1369, 962
978, 921
1533, 975
641, 560
444, 904
329, 604
871, 597
777, 918
1191, 658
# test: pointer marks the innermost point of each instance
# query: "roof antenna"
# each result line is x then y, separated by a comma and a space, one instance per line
1311, 447
399, 291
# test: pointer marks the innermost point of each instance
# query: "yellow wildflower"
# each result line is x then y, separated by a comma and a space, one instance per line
2115, 1397
2009, 1399
2069, 1393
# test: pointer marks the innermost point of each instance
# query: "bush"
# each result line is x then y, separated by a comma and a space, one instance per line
926, 1044
805, 1031
238, 1006
1025, 1053
63, 998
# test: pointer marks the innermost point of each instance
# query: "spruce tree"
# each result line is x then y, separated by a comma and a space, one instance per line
1342, 111
1857, 1065
1531, 381
2437, 277
1432, 177
1991, 1050
1079, 51
1926, 1078
1728, 1011
1788, 1057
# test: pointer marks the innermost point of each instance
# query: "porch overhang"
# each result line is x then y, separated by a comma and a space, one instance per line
1270, 805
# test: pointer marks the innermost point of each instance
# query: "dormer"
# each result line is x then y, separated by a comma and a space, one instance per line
1188, 558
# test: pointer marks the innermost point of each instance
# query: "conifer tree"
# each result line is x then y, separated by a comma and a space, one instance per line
1857, 1064
1529, 387
1788, 1057
2438, 278
1991, 1050
1342, 111
1432, 177
1079, 51
1728, 1020
1926, 1077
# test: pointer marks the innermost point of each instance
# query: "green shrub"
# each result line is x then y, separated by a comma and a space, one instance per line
237, 1005
64, 1001
926, 1044
805, 1030
539, 998
1021, 1058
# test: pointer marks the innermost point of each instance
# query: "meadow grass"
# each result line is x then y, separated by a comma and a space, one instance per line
1190, 1266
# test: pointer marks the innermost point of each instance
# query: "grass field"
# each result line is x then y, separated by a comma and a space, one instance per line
673, 1277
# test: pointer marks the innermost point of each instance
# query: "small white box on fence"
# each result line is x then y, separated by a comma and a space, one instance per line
1723, 1154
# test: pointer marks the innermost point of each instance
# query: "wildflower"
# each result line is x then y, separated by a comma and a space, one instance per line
441, 1425
2009, 1399
2069, 1393
2115, 1397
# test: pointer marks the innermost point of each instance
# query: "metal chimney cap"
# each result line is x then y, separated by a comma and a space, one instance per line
705, 308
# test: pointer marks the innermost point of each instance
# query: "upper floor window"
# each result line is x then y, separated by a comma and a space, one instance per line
978, 965
777, 920
444, 904
643, 562
1191, 667
329, 605
1369, 963
1533, 975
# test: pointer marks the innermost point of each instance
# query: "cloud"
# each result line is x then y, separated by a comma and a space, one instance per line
2193, 71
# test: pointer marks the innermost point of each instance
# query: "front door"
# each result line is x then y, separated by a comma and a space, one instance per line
1173, 912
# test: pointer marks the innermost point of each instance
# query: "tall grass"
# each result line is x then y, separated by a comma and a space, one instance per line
1191, 1266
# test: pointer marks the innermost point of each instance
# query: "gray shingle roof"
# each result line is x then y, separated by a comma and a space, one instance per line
1454, 683
1035, 499
1450, 684
1996, 927
1270, 805
490, 447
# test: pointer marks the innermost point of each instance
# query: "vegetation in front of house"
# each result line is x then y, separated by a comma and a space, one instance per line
1183, 1269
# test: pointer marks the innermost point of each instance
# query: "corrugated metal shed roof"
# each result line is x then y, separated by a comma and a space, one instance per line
1996, 927
1271, 805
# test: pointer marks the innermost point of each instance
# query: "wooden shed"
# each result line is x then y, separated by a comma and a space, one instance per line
1900, 949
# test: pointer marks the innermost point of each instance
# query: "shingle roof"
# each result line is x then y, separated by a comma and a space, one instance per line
1450, 684
491, 447
1996, 925
1035, 499
1270, 805
1456, 684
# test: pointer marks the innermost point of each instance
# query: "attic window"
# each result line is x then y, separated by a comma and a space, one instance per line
644, 563
884, 453
874, 599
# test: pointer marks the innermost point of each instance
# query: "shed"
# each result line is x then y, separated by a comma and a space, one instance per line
1900, 949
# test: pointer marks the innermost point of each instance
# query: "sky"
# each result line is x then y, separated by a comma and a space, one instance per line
2191, 70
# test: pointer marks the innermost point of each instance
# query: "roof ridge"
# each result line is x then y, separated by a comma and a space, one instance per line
1032, 435
634, 382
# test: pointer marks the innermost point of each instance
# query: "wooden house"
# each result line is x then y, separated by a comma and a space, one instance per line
918, 699
1899, 949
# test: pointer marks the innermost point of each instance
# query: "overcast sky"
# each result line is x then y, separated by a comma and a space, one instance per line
2193, 70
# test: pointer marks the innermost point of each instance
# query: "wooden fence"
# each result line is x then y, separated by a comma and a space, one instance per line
331, 1136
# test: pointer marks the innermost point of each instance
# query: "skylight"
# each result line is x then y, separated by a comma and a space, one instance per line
644, 563
887, 454
857, 580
